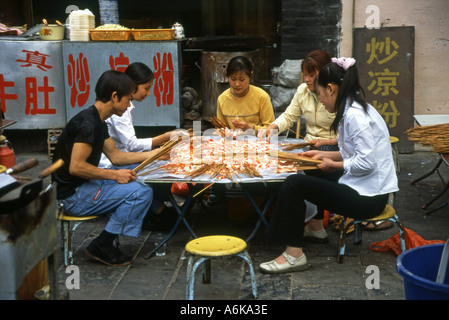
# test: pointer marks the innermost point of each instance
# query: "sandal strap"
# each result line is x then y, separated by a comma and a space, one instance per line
288, 258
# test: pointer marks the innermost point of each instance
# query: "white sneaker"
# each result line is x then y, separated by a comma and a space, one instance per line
292, 265
319, 236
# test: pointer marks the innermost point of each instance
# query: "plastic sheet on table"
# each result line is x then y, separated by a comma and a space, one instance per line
156, 173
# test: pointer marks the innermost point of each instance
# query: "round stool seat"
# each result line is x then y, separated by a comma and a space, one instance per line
393, 139
387, 213
213, 246
64, 217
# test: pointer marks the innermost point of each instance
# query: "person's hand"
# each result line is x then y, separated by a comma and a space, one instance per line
265, 133
240, 124
314, 154
321, 142
178, 133
327, 165
124, 175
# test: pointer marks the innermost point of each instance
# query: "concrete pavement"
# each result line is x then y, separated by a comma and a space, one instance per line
164, 278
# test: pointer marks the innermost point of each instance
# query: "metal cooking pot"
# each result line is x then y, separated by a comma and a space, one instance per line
27, 191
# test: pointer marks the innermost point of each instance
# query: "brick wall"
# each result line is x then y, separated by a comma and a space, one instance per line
308, 25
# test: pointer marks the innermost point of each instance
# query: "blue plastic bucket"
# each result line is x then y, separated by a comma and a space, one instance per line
419, 268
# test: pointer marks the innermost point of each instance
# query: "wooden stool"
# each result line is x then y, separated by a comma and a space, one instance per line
216, 246
67, 232
388, 214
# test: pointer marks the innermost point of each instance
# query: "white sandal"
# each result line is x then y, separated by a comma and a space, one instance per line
292, 265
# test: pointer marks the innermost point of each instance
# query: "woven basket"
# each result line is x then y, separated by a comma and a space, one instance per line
109, 35
153, 34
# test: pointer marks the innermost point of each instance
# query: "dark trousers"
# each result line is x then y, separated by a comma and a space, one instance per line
331, 176
287, 222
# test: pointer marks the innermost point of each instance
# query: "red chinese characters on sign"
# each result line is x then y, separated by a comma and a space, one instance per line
164, 79
32, 89
3, 95
78, 78
35, 58
119, 63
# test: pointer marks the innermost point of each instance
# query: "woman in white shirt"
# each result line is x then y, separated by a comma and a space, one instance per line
121, 129
365, 156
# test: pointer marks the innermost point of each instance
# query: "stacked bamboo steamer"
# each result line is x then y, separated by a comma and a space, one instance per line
80, 22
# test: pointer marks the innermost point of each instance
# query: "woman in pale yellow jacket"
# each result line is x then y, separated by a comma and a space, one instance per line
306, 103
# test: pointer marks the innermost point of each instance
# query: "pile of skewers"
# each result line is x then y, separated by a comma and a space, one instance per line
223, 129
436, 136
221, 159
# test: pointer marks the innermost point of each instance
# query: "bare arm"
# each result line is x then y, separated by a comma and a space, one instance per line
119, 158
161, 139
79, 167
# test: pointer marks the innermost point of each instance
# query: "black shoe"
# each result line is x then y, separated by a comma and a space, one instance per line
163, 221
110, 256
212, 201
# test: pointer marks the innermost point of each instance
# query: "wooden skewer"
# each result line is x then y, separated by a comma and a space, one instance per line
210, 185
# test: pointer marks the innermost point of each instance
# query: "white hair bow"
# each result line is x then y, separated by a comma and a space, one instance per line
343, 62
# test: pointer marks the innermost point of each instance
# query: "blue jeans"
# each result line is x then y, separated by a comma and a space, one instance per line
128, 204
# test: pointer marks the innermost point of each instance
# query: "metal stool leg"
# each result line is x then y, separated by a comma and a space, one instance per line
342, 239
191, 276
357, 232
67, 242
245, 256
401, 228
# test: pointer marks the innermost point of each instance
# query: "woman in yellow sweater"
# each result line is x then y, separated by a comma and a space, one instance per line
244, 106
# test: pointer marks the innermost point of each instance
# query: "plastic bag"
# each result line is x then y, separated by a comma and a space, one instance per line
180, 188
281, 97
412, 240
288, 74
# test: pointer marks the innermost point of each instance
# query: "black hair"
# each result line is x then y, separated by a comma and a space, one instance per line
239, 64
139, 72
113, 81
348, 87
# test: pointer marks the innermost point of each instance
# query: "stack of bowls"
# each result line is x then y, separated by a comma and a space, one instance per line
109, 11
80, 22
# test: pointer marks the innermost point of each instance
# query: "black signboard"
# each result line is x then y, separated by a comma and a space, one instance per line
385, 60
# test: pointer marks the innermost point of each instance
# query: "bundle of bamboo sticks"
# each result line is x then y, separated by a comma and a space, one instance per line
293, 146
306, 161
163, 150
436, 136
217, 123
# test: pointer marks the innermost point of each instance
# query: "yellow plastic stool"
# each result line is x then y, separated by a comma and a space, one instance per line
216, 246
388, 214
67, 232
394, 147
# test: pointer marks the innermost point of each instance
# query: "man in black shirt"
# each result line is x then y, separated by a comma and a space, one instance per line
89, 190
